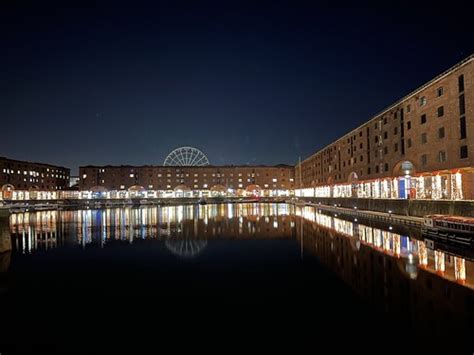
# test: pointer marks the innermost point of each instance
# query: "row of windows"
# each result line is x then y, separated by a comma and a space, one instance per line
442, 157
33, 173
133, 175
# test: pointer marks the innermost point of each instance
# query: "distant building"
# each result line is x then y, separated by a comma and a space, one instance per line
187, 178
23, 175
422, 147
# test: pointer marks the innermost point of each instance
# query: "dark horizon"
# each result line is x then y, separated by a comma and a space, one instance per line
246, 83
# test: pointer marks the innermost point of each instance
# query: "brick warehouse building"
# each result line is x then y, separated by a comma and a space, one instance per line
217, 178
23, 175
422, 146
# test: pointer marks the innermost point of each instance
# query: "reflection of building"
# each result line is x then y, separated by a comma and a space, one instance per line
420, 147
429, 289
47, 229
188, 178
23, 175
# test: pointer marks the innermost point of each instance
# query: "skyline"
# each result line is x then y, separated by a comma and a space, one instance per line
251, 85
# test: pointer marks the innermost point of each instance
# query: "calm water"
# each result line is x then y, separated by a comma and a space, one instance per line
263, 274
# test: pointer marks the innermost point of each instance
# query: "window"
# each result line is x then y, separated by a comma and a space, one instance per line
462, 105
440, 91
385, 135
463, 152
376, 168
441, 133
386, 167
360, 134
361, 158
84, 176
441, 111
424, 138
385, 150
132, 175
424, 159
408, 125
423, 119
442, 156
462, 126
395, 130
422, 101
408, 108
368, 170
376, 139
461, 83
360, 146
395, 147
385, 120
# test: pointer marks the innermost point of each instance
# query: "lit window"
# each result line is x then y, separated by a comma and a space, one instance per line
150, 186
440, 91
132, 175
274, 180
423, 101
240, 185
291, 179
168, 186
84, 176
204, 186
159, 175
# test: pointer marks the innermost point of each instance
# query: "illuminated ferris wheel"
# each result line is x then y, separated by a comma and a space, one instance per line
186, 156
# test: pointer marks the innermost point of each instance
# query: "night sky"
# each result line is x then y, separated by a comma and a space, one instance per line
246, 83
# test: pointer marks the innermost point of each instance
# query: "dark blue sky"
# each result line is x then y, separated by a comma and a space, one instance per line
245, 82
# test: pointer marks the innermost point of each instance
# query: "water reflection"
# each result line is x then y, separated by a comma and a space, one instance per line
429, 290
396, 272
410, 253
185, 229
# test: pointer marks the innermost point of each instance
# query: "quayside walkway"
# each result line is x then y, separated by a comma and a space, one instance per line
374, 215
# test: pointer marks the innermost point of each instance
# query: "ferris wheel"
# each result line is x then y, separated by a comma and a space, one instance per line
186, 156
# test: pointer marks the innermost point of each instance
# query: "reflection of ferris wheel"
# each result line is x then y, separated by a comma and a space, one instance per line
185, 247
186, 156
